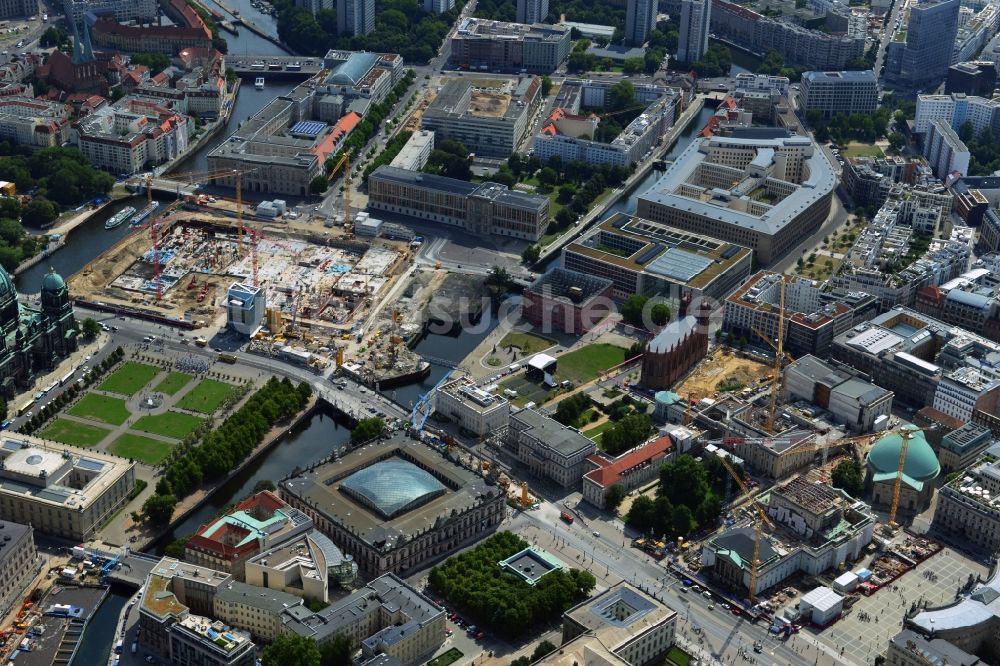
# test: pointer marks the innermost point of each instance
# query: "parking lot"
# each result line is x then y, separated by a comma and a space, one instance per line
934, 582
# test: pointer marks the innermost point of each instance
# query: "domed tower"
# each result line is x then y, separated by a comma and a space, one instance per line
55, 295
57, 309
9, 312
920, 468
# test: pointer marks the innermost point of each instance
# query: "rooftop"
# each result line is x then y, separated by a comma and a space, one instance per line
565, 440
569, 286
619, 614
609, 472
531, 564
392, 487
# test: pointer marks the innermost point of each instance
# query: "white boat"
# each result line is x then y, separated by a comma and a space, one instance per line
259, 83
120, 217
143, 214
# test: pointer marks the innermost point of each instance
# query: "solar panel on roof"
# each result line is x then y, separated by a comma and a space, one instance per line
730, 251
308, 127
650, 253
93, 465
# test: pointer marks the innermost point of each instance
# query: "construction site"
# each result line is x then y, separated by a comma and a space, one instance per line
725, 370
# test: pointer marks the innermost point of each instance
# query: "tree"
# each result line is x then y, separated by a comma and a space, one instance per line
319, 184
337, 652
262, 485
290, 649
541, 650
569, 410
632, 310
531, 254
159, 509
39, 212
499, 277
546, 86
621, 95
633, 65
90, 328
548, 177
367, 429
660, 314
896, 141
157, 62
613, 498
847, 475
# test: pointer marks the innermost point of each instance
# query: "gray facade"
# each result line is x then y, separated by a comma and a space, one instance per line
846, 92
919, 56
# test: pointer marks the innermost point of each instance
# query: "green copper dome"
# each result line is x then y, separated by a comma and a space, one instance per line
52, 281
921, 464
6, 284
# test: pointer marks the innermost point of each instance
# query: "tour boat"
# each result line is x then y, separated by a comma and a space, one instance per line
120, 217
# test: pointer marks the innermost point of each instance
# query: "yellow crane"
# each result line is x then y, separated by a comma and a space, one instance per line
197, 177
779, 353
345, 162
762, 519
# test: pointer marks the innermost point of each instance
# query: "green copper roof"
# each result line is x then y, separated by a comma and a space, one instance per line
921, 464
52, 282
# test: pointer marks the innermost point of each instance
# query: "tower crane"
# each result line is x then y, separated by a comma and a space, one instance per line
199, 177
345, 163
762, 519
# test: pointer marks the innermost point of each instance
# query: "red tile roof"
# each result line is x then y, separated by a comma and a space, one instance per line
610, 471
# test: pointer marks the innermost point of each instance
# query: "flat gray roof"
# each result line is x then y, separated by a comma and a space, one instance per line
428, 180
563, 439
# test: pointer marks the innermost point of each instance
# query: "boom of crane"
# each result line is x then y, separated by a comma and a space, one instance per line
762, 519
209, 177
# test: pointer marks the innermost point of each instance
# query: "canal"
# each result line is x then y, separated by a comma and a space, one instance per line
99, 638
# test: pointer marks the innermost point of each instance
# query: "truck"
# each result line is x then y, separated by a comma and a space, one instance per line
201, 342
567, 517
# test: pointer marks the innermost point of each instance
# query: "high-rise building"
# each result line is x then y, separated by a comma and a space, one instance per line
357, 17
314, 6
695, 17
532, 11
918, 56
831, 93
640, 19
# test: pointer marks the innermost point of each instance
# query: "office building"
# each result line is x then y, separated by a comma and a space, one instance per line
967, 506
799, 46
549, 449
983, 113
909, 648
695, 18
812, 317
133, 134
959, 390
851, 400
34, 122
817, 528
622, 626
946, 153
918, 56
254, 524
532, 11
395, 506
847, 92
413, 156
972, 78
18, 8
961, 447
473, 410
246, 306
630, 470
313, 6
168, 40
487, 208
568, 301
494, 45
763, 192
305, 565
640, 19
355, 17
19, 562
123, 11
438, 6
490, 122
656, 259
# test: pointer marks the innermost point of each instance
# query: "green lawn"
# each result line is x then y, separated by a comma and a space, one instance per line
74, 433
206, 397
855, 149
143, 449
527, 391
528, 343
173, 383
588, 362
101, 408
129, 378
449, 657
596, 432
678, 657
168, 424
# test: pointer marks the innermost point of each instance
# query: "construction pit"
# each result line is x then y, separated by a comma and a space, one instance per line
319, 287
722, 368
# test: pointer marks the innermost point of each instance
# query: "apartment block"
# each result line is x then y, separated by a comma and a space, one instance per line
947, 154
846, 92
496, 45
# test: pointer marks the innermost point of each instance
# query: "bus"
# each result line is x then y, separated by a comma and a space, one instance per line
68, 376
51, 387
23, 409
227, 358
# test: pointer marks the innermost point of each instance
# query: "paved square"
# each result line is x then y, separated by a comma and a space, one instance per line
862, 641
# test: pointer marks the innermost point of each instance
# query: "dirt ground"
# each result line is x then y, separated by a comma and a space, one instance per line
718, 367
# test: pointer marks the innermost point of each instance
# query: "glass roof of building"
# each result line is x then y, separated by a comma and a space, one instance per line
392, 486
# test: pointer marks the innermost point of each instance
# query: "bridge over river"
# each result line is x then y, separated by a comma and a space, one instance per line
284, 67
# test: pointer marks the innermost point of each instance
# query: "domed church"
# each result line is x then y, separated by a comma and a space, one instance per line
33, 340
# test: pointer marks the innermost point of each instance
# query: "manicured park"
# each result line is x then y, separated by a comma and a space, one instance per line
446, 658
101, 408
176, 425
173, 383
143, 449
73, 433
588, 362
206, 397
527, 343
129, 379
